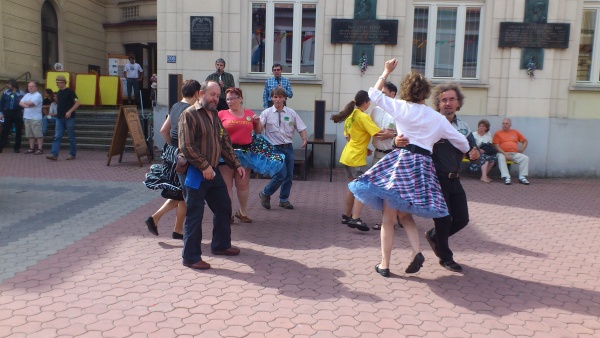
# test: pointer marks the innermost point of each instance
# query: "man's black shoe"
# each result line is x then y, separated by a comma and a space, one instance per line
431, 242
451, 265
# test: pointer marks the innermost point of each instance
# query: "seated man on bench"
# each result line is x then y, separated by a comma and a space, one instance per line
507, 142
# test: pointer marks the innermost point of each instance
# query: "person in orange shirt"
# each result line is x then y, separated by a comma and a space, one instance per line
507, 142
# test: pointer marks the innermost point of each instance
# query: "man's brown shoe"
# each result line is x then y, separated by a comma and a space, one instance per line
52, 157
70, 158
202, 265
233, 251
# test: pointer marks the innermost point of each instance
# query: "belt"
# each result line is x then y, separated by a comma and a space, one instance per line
383, 151
449, 175
285, 145
417, 150
241, 146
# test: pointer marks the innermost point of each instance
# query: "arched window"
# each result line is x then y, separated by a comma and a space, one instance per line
49, 37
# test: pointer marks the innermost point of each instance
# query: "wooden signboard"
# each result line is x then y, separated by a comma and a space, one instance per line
128, 122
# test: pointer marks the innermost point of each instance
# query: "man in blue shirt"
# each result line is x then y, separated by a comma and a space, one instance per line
277, 81
12, 114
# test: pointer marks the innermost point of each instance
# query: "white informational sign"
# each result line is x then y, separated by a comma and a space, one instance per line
116, 66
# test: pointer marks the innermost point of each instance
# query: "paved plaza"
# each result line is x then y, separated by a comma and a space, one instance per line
77, 261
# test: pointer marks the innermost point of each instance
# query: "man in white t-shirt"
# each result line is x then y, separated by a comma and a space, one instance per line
133, 73
32, 104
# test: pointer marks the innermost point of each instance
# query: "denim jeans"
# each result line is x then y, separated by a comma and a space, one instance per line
284, 177
133, 85
214, 192
45, 123
61, 125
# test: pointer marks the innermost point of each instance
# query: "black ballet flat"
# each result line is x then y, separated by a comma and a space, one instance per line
151, 226
416, 264
383, 272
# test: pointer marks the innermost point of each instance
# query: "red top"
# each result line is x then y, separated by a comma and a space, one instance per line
239, 129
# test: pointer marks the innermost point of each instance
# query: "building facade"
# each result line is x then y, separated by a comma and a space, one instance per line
36, 35
556, 108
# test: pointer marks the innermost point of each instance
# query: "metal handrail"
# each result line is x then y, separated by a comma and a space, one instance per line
27, 76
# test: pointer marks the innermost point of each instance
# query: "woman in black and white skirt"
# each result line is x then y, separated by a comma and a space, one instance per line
163, 176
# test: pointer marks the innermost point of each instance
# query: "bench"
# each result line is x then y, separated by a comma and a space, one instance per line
466, 160
508, 163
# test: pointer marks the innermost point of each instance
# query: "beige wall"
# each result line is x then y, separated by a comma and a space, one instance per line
83, 40
501, 90
548, 108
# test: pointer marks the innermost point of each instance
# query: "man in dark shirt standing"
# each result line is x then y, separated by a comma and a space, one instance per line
65, 118
12, 114
202, 141
225, 81
448, 99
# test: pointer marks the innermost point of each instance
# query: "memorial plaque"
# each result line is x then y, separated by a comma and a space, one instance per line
534, 35
364, 31
201, 33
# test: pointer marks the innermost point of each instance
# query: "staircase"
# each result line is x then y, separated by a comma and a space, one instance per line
94, 129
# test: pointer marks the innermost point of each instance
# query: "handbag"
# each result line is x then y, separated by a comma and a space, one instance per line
489, 149
182, 165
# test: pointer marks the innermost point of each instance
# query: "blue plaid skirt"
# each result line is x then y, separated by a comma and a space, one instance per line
406, 181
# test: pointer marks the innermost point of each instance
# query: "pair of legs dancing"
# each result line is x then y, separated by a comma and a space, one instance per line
351, 216
169, 205
242, 187
387, 239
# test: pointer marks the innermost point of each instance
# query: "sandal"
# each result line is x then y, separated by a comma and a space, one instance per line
38, 152
346, 219
376, 226
243, 218
30, 151
358, 224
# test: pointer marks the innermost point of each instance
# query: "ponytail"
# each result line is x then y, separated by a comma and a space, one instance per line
343, 115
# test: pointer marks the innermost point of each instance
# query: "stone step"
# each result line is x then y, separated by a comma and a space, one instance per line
94, 130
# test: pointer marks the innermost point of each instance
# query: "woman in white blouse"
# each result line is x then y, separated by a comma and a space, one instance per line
487, 160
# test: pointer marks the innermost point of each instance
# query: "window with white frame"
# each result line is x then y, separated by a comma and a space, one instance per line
446, 40
283, 32
588, 62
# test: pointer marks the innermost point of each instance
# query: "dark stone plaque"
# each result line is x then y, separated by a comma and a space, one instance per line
201, 32
358, 49
364, 31
365, 9
534, 35
536, 11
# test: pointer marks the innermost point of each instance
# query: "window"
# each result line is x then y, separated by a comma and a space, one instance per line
283, 32
446, 40
588, 62
49, 38
131, 12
